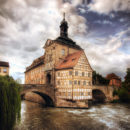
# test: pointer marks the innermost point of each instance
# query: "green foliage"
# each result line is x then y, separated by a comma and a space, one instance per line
124, 91
124, 95
127, 77
10, 102
98, 79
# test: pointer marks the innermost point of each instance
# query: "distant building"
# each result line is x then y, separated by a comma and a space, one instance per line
114, 80
63, 65
4, 68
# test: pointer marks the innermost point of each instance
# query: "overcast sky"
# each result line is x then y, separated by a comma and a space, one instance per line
100, 27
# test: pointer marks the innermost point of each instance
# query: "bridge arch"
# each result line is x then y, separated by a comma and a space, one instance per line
98, 96
39, 93
48, 100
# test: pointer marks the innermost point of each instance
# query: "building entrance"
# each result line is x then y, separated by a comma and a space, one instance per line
48, 78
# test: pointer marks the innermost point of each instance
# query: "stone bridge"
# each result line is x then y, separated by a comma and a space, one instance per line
47, 93
101, 93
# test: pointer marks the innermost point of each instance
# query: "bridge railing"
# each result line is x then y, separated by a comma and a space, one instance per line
30, 86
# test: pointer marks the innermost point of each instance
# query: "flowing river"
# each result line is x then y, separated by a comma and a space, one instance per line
99, 117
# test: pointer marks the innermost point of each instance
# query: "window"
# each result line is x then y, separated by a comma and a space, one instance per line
75, 82
70, 82
63, 52
80, 66
70, 72
89, 83
78, 82
82, 73
65, 61
89, 93
4, 70
69, 93
84, 82
89, 74
58, 82
50, 57
76, 73
73, 59
64, 94
81, 93
58, 73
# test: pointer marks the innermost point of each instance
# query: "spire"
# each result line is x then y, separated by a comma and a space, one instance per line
64, 27
64, 16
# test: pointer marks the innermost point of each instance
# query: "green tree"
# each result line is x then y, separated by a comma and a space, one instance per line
10, 102
127, 80
124, 91
98, 79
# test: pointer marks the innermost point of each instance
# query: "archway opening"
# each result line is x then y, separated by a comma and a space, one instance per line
48, 78
48, 99
98, 96
23, 96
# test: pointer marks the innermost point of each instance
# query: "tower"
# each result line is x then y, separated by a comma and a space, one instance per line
64, 27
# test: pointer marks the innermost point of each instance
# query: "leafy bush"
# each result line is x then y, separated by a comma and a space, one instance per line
124, 91
10, 102
124, 95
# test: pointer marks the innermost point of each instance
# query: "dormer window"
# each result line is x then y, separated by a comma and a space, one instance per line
63, 52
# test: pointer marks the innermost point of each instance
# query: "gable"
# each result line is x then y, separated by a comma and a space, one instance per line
48, 43
83, 63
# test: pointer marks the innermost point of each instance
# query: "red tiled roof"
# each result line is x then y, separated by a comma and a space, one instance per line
70, 61
112, 76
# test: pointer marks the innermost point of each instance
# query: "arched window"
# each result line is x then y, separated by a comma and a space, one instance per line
63, 52
48, 78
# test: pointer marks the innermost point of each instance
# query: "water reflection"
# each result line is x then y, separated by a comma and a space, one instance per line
102, 117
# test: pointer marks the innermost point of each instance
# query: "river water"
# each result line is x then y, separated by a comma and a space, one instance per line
99, 117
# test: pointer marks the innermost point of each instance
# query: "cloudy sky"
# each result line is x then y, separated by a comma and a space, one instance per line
101, 27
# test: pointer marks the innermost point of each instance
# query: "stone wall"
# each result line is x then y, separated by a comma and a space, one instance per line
73, 104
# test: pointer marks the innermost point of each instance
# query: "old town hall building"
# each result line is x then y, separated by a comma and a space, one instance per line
65, 66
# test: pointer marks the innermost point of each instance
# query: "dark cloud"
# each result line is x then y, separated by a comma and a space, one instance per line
31, 49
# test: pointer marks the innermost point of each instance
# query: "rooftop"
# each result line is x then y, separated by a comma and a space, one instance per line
70, 61
67, 41
36, 62
112, 76
4, 64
